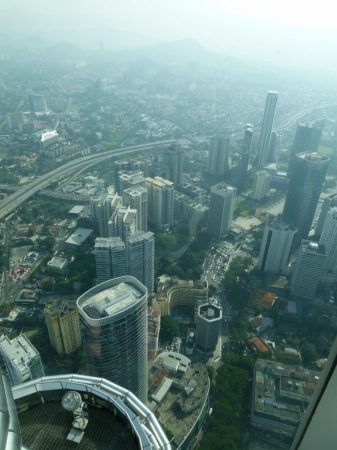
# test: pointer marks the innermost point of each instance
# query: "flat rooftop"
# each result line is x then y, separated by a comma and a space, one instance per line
17, 350
79, 236
76, 209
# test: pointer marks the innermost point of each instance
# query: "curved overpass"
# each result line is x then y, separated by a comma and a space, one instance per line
14, 200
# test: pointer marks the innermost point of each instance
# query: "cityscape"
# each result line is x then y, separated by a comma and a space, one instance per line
168, 245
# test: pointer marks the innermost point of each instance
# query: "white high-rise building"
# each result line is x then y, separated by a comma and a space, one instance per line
220, 214
105, 208
218, 157
131, 180
308, 269
329, 240
261, 184
266, 129
22, 360
208, 327
113, 317
160, 201
137, 199
276, 248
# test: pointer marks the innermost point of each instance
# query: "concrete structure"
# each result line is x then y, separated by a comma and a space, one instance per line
63, 326
14, 120
208, 328
175, 160
194, 212
79, 236
160, 202
281, 394
134, 256
266, 129
22, 360
329, 240
261, 184
106, 207
32, 416
57, 263
308, 269
246, 149
44, 138
276, 248
305, 187
37, 103
137, 199
329, 202
218, 156
153, 328
221, 209
130, 179
274, 147
113, 318
307, 138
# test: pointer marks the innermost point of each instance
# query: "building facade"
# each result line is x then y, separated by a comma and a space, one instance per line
246, 149
137, 199
261, 184
113, 318
329, 240
266, 129
221, 208
175, 161
208, 328
37, 103
160, 202
218, 156
274, 147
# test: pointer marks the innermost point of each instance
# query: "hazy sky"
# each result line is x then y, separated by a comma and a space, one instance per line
289, 31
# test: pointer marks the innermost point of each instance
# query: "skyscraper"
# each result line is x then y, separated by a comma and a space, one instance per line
220, 214
329, 202
14, 120
137, 199
105, 208
307, 138
160, 202
261, 184
113, 317
329, 240
246, 149
218, 163
308, 269
276, 247
208, 327
274, 147
37, 103
305, 186
131, 179
175, 160
266, 129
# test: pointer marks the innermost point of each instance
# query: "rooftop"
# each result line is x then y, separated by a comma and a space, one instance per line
76, 209
79, 236
19, 350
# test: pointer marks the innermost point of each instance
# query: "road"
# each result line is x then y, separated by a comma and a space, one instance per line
11, 202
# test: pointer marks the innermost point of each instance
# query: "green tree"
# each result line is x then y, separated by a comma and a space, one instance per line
168, 328
308, 352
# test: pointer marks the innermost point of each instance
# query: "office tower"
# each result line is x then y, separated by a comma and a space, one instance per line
122, 223
307, 138
159, 167
266, 129
261, 184
63, 326
108, 204
308, 269
274, 147
175, 160
137, 199
329, 202
276, 248
134, 256
37, 103
218, 157
329, 240
246, 149
14, 120
113, 318
133, 179
220, 214
22, 360
208, 327
305, 187
160, 202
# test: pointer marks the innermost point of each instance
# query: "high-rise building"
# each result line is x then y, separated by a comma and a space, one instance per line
261, 184
134, 256
22, 360
308, 269
208, 327
131, 179
14, 120
175, 160
160, 202
137, 199
220, 214
246, 149
108, 204
113, 318
63, 326
274, 147
218, 157
329, 202
307, 138
37, 103
266, 129
305, 187
329, 240
276, 248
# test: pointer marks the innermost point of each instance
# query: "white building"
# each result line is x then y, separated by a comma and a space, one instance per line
329, 240
137, 199
266, 129
57, 263
261, 184
208, 327
22, 360
218, 156
220, 214
308, 269
160, 202
276, 248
